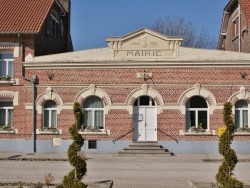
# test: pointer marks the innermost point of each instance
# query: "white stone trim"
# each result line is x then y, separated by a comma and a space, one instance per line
49, 95
144, 90
10, 95
14, 47
197, 90
93, 91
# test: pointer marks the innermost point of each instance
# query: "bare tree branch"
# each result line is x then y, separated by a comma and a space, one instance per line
179, 26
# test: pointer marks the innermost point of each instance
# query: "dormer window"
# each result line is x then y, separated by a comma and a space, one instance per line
55, 28
236, 26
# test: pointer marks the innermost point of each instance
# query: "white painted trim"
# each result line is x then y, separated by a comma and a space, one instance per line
144, 90
10, 95
93, 91
197, 90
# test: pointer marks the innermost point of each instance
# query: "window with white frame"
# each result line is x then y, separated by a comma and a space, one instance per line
49, 115
93, 110
241, 114
6, 64
196, 113
6, 114
144, 101
55, 27
236, 26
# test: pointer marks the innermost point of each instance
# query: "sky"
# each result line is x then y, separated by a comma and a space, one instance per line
94, 20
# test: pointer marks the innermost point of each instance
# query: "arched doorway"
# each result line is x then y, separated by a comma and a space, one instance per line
145, 119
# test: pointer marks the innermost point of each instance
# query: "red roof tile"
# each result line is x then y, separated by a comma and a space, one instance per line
245, 5
23, 16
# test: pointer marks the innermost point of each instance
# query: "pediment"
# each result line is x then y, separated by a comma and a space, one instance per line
144, 44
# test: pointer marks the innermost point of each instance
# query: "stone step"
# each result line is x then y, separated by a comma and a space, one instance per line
144, 148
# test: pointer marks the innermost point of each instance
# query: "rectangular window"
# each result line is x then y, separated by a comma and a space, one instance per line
6, 114
55, 28
6, 65
236, 26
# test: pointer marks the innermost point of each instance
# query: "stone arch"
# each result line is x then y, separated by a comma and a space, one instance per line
93, 91
49, 95
200, 91
240, 95
10, 95
144, 90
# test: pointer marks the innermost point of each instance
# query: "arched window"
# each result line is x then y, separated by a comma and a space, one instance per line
241, 114
49, 115
196, 113
6, 64
93, 110
144, 101
6, 114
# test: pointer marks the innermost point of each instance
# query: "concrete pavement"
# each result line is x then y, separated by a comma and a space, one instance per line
126, 172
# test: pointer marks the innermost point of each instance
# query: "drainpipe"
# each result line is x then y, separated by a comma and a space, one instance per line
239, 29
34, 81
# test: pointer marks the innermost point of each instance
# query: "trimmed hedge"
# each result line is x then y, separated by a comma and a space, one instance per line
224, 177
73, 179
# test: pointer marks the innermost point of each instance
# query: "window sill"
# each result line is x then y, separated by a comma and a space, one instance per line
14, 131
197, 133
9, 82
242, 133
102, 132
39, 131
236, 37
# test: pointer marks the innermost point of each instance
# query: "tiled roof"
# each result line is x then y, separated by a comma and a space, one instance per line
245, 5
23, 16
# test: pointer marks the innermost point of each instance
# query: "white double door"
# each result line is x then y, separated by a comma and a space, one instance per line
145, 123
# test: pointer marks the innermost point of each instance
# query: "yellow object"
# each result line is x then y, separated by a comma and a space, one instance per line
221, 130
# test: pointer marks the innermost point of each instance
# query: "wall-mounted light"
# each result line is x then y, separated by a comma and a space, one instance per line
243, 75
50, 76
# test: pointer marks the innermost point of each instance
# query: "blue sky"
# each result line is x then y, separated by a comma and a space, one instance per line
93, 20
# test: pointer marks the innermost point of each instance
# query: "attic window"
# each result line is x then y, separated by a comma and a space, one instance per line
55, 28
236, 26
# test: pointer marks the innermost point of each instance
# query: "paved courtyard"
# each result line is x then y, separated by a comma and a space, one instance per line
126, 172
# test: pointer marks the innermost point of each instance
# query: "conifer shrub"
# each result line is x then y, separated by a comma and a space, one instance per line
224, 177
73, 179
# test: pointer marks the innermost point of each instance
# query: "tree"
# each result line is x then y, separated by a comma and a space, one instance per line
224, 177
73, 179
178, 26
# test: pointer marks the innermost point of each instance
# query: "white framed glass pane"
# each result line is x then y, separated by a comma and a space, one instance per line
196, 102
10, 118
88, 118
190, 119
50, 104
99, 119
53, 118
2, 117
93, 102
10, 69
202, 119
46, 119
6, 104
3, 68
237, 119
245, 118
241, 104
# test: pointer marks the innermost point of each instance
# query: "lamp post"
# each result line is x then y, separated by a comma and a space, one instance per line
34, 81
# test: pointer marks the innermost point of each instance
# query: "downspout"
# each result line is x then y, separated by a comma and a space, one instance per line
34, 81
239, 28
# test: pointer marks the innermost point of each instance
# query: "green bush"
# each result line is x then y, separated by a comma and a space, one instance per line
224, 177
73, 179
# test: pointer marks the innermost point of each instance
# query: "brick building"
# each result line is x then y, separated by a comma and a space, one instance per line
234, 33
143, 87
34, 27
